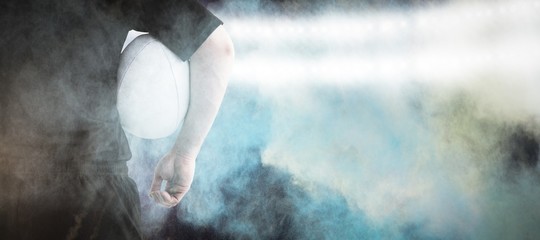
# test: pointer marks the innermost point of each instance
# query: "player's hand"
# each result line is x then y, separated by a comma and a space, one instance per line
178, 172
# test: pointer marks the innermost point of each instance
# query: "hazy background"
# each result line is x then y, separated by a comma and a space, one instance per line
367, 120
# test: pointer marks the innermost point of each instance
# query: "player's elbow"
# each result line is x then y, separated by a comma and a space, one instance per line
218, 46
228, 47
215, 57
222, 43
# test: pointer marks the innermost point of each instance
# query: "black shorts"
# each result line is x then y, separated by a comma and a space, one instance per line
63, 205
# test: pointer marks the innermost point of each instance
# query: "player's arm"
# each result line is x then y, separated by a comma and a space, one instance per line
210, 67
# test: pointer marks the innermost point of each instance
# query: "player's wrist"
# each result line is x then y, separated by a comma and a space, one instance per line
183, 155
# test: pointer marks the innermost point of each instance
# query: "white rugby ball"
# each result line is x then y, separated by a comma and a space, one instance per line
153, 88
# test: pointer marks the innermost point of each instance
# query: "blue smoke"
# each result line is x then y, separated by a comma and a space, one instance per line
382, 172
442, 151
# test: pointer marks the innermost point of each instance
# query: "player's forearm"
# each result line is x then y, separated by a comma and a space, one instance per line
210, 67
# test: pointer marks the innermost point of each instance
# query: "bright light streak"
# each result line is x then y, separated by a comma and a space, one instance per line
450, 43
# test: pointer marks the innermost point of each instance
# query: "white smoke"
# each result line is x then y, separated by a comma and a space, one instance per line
341, 89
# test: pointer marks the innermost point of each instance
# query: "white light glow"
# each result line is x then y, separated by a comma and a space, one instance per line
447, 43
